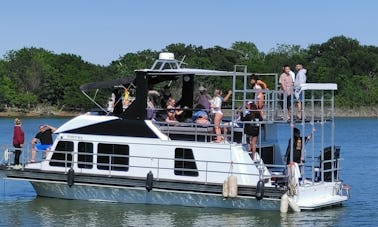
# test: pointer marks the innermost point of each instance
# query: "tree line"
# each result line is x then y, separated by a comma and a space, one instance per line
32, 77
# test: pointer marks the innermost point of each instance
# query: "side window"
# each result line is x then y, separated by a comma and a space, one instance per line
267, 155
185, 164
62, 155
85, 155
114, 155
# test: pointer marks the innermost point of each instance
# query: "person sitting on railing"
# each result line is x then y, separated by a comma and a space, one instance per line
45, 141
259, 99
259, 96
256, 81
252, 130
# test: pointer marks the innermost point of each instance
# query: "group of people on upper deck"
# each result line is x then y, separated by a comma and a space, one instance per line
205, 105
290, 84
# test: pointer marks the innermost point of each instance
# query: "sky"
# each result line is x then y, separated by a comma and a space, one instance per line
101, 31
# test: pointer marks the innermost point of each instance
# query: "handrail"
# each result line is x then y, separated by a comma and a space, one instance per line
202, 169
67, 164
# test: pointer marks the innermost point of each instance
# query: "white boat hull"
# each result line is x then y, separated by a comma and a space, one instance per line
140, 195
320, 195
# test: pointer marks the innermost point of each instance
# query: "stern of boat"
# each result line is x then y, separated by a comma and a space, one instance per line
312, 196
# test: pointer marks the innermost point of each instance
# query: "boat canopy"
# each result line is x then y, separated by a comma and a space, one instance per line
107, 84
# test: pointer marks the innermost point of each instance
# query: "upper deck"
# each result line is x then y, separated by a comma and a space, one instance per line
144, 100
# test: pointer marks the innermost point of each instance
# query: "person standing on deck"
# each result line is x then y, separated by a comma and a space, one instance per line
216, 110
297, 146
252, 130
166, 95
300, 79
286, 83
203, 99
18, 142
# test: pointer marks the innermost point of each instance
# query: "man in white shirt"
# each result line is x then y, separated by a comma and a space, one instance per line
300, 78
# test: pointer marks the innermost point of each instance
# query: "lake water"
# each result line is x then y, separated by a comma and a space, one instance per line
19, 205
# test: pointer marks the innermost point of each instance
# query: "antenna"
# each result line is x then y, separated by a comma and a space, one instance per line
182, 61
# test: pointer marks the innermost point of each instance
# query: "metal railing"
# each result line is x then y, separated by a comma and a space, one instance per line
202, 166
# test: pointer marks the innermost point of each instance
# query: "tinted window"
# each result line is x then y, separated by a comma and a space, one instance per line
267, 154
62, 155
85, 155
185, 164
114, 155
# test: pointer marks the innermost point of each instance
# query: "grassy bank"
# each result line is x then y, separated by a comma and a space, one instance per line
357, 112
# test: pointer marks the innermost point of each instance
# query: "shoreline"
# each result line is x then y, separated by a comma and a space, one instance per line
362, 112
33, 114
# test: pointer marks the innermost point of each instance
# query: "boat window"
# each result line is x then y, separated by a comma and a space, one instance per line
185, 164
267, 154
113, 155
62, 155
85, 155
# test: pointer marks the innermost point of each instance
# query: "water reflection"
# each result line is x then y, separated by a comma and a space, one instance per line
318, 218
57, 212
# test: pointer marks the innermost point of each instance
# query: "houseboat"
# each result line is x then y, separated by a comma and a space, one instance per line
132, 155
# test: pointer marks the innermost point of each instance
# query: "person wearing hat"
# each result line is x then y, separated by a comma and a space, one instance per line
18, 142
203, 99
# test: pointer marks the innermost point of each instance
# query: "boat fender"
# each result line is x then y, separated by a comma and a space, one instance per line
284, 206
293, 205
232, 186
149, 181
225, 188
260, 190
70, 177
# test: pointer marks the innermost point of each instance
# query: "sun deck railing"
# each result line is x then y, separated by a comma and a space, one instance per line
113, 169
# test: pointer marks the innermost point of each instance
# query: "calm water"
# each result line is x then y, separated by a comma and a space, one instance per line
20, 207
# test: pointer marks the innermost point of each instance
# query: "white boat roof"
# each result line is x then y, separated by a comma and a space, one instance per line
84, 120
318, 86
199, 72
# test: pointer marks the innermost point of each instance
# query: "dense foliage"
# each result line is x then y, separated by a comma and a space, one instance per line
34, 76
